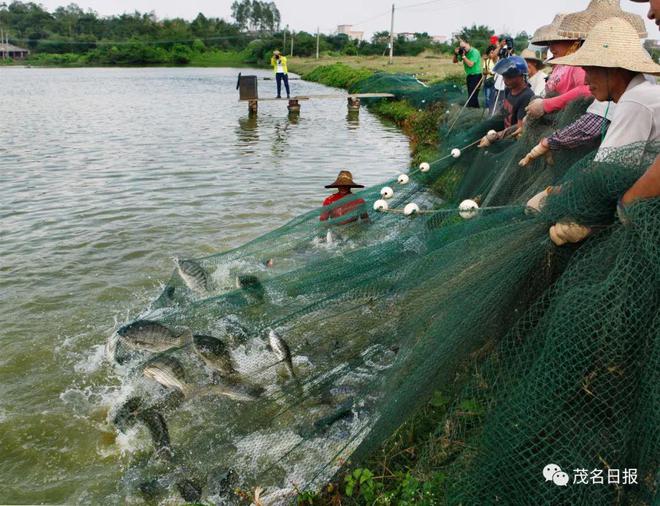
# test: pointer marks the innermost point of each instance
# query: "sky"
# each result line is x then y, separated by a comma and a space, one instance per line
437, 17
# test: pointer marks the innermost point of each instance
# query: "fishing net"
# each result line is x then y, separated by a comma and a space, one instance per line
543, 354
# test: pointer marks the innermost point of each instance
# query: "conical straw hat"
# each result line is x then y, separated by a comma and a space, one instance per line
613, 43
548, 33
579, 24
345, 178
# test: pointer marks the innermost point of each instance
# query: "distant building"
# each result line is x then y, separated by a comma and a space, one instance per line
440, 39
348, 30
408, 36
14, 52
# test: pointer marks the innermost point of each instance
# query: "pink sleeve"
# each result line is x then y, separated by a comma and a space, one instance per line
578, 77
558, 103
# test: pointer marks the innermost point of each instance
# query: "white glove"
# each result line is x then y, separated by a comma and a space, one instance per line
537, 202
563, 233
537, 151
535, 108
489, 139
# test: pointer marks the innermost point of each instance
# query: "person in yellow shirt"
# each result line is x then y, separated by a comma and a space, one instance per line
278, 61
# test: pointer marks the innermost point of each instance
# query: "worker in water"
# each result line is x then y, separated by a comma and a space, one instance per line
278, 61
352, 204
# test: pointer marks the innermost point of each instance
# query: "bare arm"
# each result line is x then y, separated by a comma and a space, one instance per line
647, 186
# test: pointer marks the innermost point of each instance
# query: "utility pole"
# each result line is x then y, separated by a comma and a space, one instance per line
291, 44
392, 37
318, 36
284, 40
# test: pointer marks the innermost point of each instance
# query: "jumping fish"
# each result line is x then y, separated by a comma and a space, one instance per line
193, 275
152, 336
251, 285
215, 354
169, 372
133, 411
281, 350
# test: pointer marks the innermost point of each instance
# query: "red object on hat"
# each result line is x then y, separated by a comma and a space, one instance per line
494, 40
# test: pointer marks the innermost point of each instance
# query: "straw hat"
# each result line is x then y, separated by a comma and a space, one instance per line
276, 52
345, 178
613, 43
579, 24
549, 33
528, 54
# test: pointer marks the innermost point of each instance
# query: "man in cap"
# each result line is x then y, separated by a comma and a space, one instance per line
278, 61
351, 206
615, 63
517, 96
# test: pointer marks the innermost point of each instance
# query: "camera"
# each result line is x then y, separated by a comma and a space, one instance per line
461, 52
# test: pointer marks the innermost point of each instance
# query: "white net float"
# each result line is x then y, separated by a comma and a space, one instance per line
424, 167
387, 192
381, 205
411, 208
403, 179
468, 209
492, 135
456, 152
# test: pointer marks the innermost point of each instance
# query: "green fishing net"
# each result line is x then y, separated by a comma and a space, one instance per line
542, 354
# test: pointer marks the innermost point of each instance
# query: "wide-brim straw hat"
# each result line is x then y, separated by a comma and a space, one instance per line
528, 54
345, 179
276, 52
579, 24
613, 43
549, 33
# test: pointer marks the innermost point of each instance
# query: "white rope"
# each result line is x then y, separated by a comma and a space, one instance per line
476, 88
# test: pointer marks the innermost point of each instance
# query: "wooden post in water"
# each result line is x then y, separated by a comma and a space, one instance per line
294, 106
353, 104
253, 106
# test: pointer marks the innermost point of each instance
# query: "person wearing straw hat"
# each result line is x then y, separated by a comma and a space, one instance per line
565, 84
590, 128
536, 75
278, 62
344, 183
616, 62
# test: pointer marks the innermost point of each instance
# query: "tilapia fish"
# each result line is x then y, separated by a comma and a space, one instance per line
152, 336
281, 350
169, 372
133, 411
252, 286
193, 275
215, 354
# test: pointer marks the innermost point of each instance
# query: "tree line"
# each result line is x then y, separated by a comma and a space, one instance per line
71, 34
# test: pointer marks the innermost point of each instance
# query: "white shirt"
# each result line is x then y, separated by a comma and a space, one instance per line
637, 117
602, 109
537, 83
280, 68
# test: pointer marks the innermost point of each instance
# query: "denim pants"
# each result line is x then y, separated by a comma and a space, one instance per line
279, 77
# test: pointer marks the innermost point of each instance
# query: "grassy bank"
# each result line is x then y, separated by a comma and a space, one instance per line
427, 67
420, 125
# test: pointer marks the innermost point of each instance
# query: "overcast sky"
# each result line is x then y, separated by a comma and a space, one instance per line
439, 17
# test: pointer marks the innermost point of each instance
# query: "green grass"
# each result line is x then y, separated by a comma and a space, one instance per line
218, 59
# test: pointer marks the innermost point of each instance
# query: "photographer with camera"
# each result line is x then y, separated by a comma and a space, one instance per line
506, 48
278, 61
471, 59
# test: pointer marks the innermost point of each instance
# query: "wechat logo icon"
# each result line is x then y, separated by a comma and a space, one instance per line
553, 473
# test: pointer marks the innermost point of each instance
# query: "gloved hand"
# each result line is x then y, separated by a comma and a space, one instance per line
489, 139
563, 233
535, 108
542, 148
537, 202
